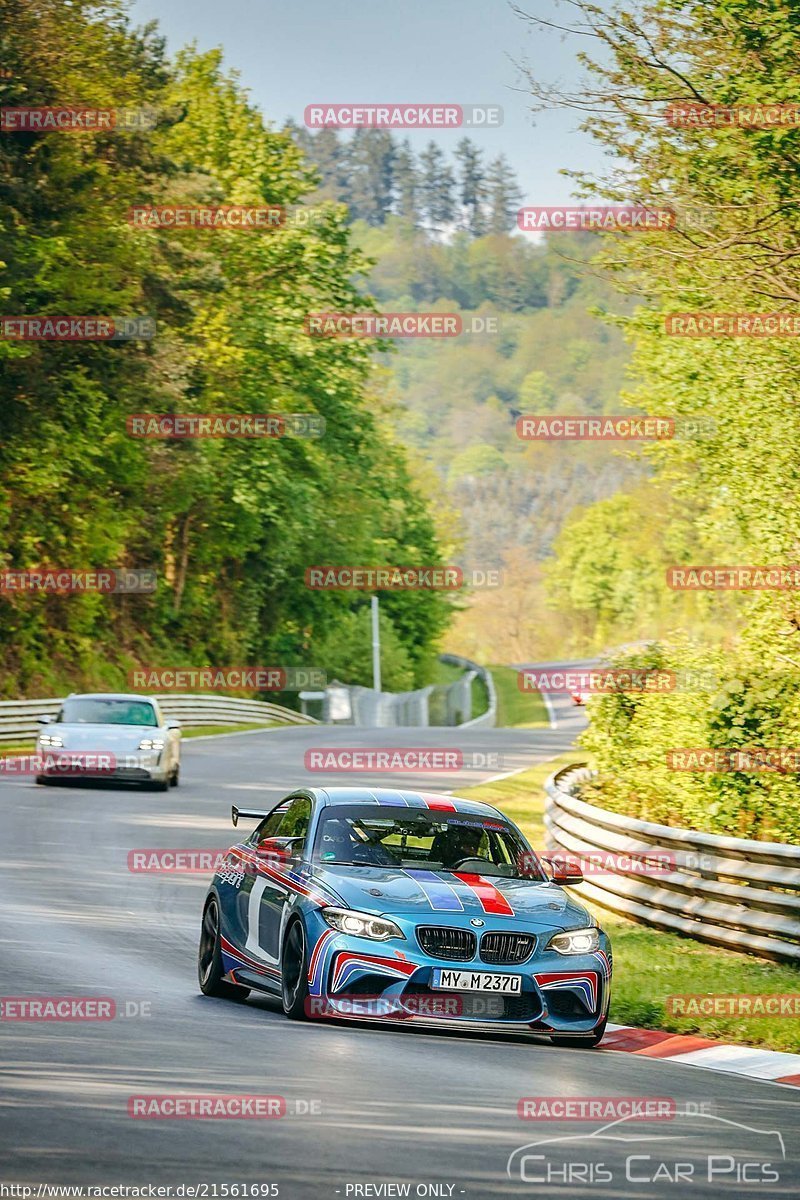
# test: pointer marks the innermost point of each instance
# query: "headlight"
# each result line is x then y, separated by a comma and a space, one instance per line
575, 941
50, 739
151, 744
361, 924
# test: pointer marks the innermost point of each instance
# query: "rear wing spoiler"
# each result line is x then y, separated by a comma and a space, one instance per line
258, 814
249, 814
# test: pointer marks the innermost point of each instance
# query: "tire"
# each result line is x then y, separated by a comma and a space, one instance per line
209, 958
44, 781
581, 1043
294, 972
175, 777
158, 785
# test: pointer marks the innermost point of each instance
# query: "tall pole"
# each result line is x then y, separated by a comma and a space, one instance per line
376, 647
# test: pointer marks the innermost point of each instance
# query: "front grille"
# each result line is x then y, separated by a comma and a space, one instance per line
440, 941
507, 947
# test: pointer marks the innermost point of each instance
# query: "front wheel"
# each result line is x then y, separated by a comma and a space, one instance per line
581, 1043
294, 972
209, 959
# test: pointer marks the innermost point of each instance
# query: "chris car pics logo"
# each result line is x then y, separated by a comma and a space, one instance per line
695, 1148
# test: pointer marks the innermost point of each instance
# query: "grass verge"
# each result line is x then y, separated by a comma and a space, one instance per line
650, 966
7, 749
516, 709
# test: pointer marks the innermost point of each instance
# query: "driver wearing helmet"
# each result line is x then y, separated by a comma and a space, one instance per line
463, 841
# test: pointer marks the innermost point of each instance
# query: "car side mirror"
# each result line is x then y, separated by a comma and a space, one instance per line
564, 870
45, 720
275, 847
173, 724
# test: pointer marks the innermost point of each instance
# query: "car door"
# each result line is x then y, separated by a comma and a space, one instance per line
270, 891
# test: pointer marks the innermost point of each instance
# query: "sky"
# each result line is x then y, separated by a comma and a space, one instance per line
292, 53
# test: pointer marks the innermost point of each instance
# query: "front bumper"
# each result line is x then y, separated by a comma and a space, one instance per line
361, 979
134, 767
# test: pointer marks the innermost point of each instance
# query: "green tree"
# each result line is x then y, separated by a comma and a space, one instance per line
230, 526
503, 196
406, 183
371, 164
436, 188
472, 187
733, 249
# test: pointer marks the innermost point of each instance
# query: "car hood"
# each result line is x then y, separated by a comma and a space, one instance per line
102, 737
423, 893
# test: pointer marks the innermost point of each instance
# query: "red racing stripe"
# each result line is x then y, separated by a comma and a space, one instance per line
439, 802
492, 901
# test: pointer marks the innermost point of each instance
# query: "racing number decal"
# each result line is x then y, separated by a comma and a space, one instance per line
264, 918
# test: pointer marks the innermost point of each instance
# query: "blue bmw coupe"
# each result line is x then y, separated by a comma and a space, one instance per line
356, 903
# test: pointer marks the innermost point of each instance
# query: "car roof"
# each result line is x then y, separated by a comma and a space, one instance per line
405, 798
109, 696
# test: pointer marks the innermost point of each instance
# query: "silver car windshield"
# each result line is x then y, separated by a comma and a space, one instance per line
107, 712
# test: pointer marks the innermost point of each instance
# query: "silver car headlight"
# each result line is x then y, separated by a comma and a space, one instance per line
361, 924
51, 739
575, 941
151, 744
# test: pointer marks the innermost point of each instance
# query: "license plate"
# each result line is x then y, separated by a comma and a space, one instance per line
475, 981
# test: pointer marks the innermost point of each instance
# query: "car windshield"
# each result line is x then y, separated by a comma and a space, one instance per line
96, 711
373, 835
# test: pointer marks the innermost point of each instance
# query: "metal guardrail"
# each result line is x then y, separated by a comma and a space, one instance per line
488, 719
19, 718
732, 892
440, 704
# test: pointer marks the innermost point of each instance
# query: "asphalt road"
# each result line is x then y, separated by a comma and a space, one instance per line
367, 1106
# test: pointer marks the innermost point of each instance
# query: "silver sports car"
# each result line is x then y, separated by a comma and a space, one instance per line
110, 736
